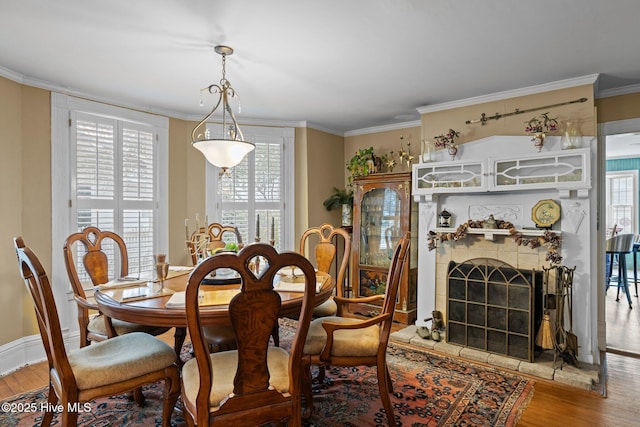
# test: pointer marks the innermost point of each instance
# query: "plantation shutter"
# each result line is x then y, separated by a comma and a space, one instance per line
114, 186
254, 189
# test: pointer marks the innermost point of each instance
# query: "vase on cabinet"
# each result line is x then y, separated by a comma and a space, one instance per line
571, 136
453, 150
428, 150
538, 140
347, 215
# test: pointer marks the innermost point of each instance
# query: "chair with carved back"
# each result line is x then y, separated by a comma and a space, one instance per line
349, 341
211, 238
106, 368
220, 337
217, 232
257, 383
96, 264
325, 252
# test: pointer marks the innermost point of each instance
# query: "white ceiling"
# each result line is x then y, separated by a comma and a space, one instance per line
339, 65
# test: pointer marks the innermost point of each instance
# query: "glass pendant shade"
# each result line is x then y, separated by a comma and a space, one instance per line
223, 153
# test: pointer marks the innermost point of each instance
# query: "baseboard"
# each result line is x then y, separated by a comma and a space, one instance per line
29, 350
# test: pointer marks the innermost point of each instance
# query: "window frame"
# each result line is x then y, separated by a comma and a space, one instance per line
62, 200
255, 133
610, 175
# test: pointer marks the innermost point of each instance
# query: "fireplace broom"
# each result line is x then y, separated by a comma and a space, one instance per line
544, 339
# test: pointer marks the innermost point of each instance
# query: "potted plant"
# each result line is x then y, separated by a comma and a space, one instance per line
342, 198
361, 164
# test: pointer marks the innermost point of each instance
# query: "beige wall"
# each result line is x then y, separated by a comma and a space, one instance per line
440, 122
25, 183
326, 170
622, 107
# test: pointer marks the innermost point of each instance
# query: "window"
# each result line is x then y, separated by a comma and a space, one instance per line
622, 202
106, 161
254, 196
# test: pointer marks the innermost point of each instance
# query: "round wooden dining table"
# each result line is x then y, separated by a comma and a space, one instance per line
153, 311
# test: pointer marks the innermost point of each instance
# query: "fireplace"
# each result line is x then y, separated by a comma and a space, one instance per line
494, 307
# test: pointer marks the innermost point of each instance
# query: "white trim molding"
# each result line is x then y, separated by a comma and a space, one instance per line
29, 350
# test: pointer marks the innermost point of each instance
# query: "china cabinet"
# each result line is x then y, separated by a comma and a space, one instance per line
383, 211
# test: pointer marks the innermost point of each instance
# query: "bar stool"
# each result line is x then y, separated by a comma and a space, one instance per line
636, 249
618, 247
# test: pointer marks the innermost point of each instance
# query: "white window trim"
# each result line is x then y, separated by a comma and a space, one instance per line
287, 225
634, 174
61, 107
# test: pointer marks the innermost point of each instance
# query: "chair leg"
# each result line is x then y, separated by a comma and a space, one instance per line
275, 333
383, 385
321, 373
53, 400
138, 396
69, 418
625, 281
171, 394
306, 392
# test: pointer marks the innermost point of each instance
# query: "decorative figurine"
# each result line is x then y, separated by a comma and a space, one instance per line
444, 219
490, 223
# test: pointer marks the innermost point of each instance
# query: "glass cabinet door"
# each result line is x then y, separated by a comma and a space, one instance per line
380, 230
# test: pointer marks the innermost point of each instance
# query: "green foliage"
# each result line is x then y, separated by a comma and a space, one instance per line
358, 165
338, 198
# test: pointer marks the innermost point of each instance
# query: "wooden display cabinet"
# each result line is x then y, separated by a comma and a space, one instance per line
383, 212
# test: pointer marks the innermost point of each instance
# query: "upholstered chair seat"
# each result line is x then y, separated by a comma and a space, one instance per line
346, 342
119, 359
226, 364
327, 308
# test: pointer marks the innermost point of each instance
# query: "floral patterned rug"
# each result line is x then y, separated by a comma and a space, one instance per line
429, 390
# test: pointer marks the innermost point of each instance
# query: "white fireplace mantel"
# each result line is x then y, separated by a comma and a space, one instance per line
505, 176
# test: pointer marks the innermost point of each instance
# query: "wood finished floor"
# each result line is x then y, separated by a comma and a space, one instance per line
623, 324
552, 404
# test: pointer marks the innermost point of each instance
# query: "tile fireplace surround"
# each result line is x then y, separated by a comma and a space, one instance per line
504, 176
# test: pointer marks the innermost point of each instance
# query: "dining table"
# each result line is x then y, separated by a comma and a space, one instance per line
152, 306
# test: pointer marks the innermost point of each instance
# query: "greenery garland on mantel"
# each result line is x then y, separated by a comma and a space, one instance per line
549, 238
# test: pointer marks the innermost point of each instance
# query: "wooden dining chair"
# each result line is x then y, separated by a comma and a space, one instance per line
257, 383
96, 327
220, 337
210, 238
106, 368
348, 341
217, 232
325, 252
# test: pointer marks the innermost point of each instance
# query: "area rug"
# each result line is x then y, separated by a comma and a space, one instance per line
429, 390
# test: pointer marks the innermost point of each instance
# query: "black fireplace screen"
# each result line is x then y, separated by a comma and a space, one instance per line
494, 307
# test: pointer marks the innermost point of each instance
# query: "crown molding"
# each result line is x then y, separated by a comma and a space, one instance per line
383, 128
52, 87
499, 96
617, 91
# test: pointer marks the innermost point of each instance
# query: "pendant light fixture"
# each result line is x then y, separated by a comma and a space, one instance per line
229, 150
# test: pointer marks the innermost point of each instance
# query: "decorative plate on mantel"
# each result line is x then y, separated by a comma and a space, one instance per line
545, 213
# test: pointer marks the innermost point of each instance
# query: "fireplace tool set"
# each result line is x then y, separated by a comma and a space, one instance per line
555, 336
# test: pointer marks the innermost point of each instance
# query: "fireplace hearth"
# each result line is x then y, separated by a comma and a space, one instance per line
494, 307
